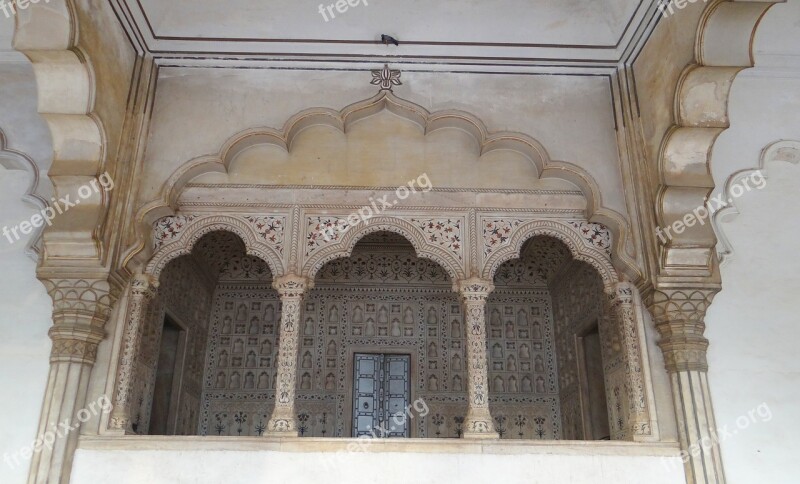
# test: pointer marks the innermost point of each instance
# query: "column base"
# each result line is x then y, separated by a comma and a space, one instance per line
283, 424
281, 433
479, 425
480, 435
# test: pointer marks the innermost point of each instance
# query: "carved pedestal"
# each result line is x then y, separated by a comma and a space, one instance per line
80, 310
291, 290
143, 289
679, 318
478, 423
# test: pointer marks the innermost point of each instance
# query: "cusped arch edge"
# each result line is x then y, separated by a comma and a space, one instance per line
526, 146
783, 150
528, 230
415, 237
204, 225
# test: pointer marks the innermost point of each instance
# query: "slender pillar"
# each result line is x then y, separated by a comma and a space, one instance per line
80, 310
142, 290
679, 315
478, 423
626, 353
291, 289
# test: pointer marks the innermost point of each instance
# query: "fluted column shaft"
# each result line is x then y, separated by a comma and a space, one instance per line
679, 318
81, 308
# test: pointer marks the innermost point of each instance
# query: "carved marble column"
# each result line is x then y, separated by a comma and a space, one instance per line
478, 423
81, 308
679, 315
142, 290
291, 289
625, 365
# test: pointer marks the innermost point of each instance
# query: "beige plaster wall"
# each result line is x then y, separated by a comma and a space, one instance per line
197, 111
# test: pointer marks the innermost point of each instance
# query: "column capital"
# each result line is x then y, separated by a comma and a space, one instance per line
292, 286
81, 308
144, 285
621, 291
679, 316
474, 288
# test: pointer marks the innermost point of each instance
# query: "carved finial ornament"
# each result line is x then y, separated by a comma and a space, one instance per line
386, 78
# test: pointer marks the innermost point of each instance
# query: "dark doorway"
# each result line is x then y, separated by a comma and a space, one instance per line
593, 388
168, 373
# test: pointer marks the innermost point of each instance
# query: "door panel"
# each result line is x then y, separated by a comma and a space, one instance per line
381, 395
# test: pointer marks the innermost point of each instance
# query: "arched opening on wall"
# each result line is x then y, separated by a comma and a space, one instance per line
381, 335
543, 328
209, 337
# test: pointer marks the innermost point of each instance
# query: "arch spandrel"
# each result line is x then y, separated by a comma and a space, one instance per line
342, 242
185, 230
569, 233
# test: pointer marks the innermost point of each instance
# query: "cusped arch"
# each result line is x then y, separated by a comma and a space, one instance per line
784, 150
723, 48
423, 249
201, 226
580, 251
16, 160
47, 33
428, 122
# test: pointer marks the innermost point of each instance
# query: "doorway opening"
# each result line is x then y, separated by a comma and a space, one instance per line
593, 388
168, 377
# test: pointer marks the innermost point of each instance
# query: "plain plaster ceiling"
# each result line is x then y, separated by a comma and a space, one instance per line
433, 29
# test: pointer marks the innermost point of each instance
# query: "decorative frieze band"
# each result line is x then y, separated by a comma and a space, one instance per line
443, 239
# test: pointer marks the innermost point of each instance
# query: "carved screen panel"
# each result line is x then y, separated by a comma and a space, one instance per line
381, 300
523, 389
239, 383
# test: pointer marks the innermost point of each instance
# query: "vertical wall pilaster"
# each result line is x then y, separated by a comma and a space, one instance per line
291, 289
478, 423
624, 316
142, 290
679, 316
80, 310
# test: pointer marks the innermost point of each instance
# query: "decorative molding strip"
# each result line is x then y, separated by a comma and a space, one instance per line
378, 189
